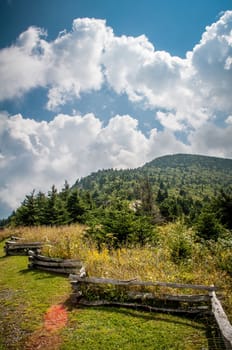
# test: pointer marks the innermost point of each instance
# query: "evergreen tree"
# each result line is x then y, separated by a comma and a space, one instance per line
119, 225
75, 207
53, 207
170, 209
41, 204
65, 191
208, 226
148, 207
27, 213
222, 207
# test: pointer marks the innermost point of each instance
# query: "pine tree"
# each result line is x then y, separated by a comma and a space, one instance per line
41, 204
52, 210
27, 213
75, 207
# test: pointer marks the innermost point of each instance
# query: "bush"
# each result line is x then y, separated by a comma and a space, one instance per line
222, 251
119, 225
208, 226
180, 243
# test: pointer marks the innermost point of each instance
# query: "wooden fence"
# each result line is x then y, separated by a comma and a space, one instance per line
63, 266
222, 321
146, 295
19, 247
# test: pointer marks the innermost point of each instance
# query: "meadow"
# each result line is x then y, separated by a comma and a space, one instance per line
175, 257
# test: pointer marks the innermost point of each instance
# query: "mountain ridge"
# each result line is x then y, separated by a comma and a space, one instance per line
197, 175
186, 156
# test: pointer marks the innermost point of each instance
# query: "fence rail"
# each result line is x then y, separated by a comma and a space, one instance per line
19, 247
130, 293
222, 321
88, 291
135, 282
63, 266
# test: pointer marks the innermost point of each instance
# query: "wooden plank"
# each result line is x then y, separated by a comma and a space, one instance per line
222, 320
17, 245
64, 264
133, 282
197, 298
50, 259
142, 307
61, 270
15, 238
16, 253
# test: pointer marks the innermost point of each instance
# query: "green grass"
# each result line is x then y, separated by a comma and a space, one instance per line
102, 328
26, 295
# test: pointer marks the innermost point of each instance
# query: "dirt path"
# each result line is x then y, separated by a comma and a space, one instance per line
48, 336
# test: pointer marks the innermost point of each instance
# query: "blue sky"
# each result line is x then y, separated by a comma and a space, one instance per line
92, 84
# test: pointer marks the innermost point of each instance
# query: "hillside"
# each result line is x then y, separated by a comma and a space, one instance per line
194, 175
164, 189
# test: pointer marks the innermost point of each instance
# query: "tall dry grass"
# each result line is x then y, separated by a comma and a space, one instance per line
196, 262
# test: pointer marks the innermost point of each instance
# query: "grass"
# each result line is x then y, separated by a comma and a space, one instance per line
102, 328
27, 294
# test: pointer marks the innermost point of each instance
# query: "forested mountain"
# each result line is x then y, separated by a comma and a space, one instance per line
125, 204
190, 175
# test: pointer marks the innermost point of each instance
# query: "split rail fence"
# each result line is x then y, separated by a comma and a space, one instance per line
16, 246
57, 265
146, 295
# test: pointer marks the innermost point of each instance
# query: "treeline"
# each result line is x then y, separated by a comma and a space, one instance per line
54, 208
116, 220
199, 177
124, 206
76, 204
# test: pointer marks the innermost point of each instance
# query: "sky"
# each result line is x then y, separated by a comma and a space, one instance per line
96, 84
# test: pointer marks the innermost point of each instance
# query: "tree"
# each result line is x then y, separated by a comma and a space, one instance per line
55, 214
148, 207
162, 193
41, 204
170, 209
208, 226
75, 207
147, 201
27, 213
65, 191
222, 207
119, 225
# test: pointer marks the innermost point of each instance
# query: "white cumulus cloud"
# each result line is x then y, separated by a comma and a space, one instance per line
38, 154
91, 54
188, 96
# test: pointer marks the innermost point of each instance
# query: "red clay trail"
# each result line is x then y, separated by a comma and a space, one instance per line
55, 318
47, 338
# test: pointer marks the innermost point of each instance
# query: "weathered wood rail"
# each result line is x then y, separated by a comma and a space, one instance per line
57, 265
222, 321
17, 246
120, 293
128, 294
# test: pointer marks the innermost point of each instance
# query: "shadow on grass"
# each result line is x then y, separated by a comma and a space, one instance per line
39, 274
138, 313
4, 257
215, 340
204, 322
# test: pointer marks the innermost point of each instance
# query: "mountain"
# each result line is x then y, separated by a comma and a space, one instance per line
197, 176
188, 160
164, 189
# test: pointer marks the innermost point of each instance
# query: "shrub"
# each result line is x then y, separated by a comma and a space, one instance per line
180, 243
208, 226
